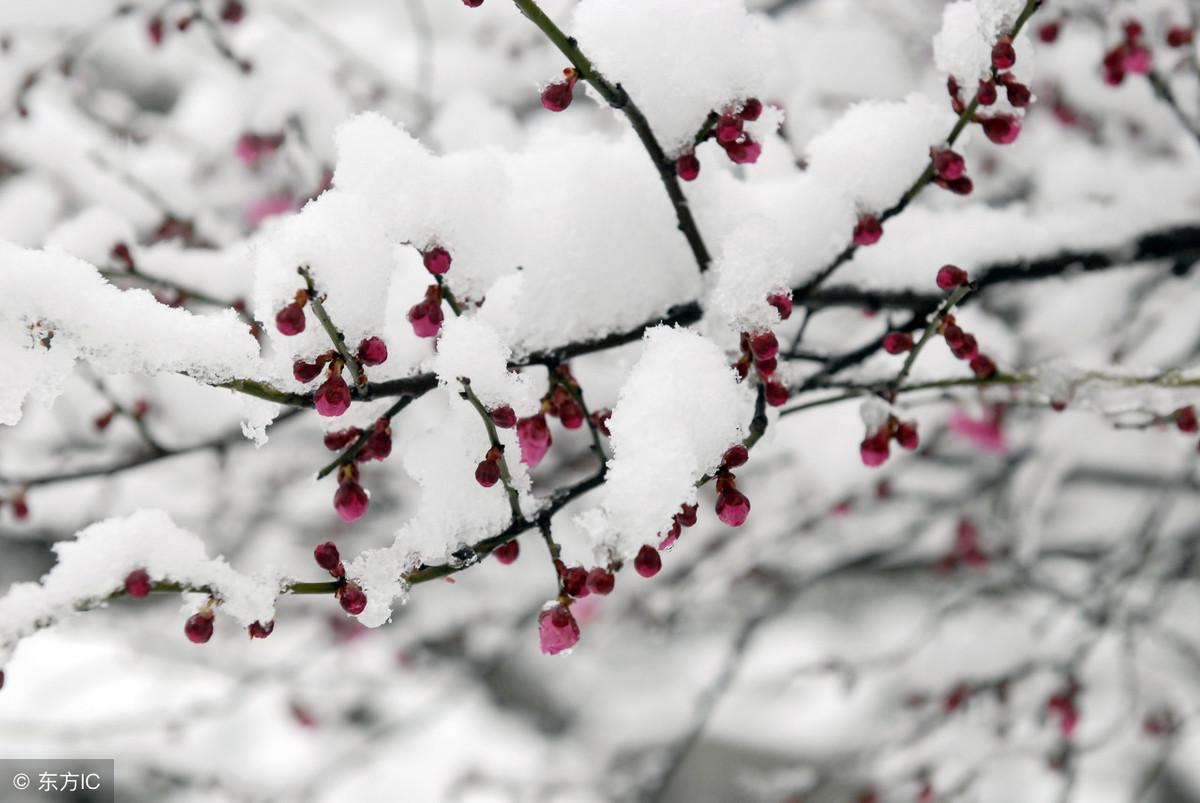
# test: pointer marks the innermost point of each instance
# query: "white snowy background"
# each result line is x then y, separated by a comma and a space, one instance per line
1006, 613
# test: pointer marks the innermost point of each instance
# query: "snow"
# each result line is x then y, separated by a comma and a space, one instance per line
963, 47
876, 150
96, 563
554, 239
91, 235
749, 267
680, 408
427, 116
454, 509
470, 348
380, 573
874, 413
677, 59
58, 309
339, 239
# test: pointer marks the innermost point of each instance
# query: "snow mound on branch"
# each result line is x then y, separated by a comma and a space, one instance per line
752, 264
963, 46
380, 574
454, 510
342, 243
96, 563
91, 235
677, 59
570, 239
679, 410
876, 150
471, 348
57, 309
1121, 392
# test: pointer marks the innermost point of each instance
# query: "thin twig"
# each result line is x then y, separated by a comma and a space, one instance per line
934, 323
335, 334
514, 499
347, 456
968, 114
616, 96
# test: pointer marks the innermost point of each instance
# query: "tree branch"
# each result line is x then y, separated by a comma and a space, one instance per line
616, 96
802, 292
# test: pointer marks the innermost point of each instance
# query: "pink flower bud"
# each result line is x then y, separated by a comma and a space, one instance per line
949, 165
874, 449
290, 320
1004, 56
327, 556
743, 151
426, 318
601, 581
782, 302
906, 435
557, 630
897, 342
339, 439
775, 393
558, 96
534, 438
504, 417
732, 507
333, 397
137, 583
372, 351
735, 456
728, 128
199, 627
950, 277
687, 167
260, 630
487, 473
350, 501
436, 259
352, 599
868, 230
1002, 129
507, 553
648, 562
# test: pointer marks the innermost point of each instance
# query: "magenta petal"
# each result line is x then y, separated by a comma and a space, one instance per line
350, 501
984, 433
534, 436
557, 630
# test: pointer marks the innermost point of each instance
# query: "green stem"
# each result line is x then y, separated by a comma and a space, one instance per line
351, 451
335, 335
448, 295
263, 391
576, 393
514, 499
555, 551
934, 322
138, 421
1169, 379
1162, 91
164, 284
